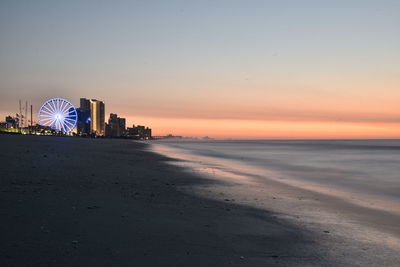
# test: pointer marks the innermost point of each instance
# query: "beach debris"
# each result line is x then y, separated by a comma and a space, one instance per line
326, 232
44, 156
227, 199
228, 209
242, 257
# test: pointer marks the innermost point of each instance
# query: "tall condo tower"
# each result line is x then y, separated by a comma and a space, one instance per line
91, 117
97, 114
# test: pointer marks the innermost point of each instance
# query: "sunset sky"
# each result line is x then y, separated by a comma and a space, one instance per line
236, 69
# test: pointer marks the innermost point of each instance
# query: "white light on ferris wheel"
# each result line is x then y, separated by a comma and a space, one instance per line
59, 114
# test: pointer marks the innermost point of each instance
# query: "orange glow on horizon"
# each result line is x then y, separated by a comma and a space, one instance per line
223, 128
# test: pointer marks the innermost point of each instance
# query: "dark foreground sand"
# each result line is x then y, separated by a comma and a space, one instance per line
85, 202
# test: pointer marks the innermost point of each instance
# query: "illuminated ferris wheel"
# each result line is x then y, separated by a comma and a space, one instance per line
59, 114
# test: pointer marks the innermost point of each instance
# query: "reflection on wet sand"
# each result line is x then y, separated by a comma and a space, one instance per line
375, 218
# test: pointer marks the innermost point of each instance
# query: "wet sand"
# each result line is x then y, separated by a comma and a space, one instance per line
351, 215
86, 202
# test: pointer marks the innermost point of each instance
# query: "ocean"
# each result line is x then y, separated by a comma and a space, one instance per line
363, 172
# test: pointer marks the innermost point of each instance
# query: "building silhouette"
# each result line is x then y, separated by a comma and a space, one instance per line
91, 117
83, 124
116, 126
11, 122
139, 132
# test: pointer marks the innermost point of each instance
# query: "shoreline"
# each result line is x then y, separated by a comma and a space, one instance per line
382, 212
88, 202
354, 225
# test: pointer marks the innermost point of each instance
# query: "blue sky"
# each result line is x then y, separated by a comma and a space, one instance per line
187, 58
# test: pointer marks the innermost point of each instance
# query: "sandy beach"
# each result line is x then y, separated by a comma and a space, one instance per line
103, 202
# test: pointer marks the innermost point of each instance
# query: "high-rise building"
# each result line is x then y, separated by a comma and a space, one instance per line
122, 125
91, 117
84, 117
85, 103
97, 115
116, 126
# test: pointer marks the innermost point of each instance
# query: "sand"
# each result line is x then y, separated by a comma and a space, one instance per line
97, 202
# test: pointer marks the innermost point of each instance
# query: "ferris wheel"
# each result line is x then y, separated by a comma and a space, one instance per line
59, 114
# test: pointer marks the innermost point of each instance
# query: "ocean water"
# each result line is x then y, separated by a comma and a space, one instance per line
366, 172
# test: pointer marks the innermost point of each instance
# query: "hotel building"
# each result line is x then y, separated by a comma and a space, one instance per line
91, 117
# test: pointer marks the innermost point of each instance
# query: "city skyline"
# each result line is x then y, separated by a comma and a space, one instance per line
58, 116
226, 69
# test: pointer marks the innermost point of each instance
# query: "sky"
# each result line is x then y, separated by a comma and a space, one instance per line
225, 69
